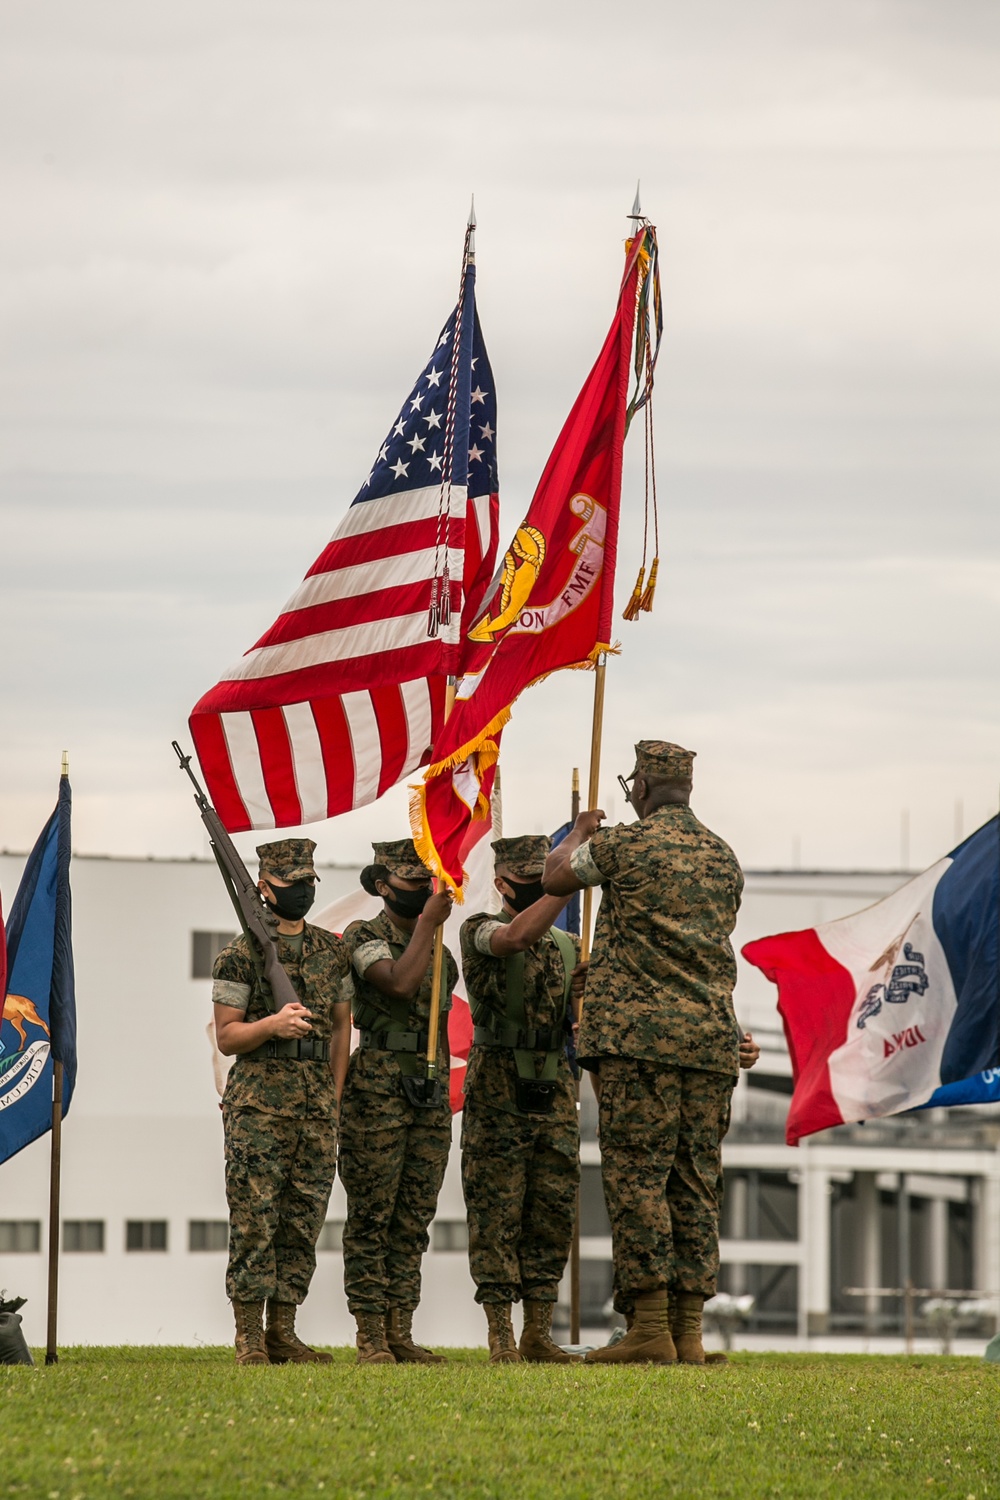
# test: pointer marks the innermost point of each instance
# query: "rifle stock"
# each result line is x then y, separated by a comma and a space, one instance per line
246, 898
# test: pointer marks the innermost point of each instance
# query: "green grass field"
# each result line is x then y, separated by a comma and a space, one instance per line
187, 1422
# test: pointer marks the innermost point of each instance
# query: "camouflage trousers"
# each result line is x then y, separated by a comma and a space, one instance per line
661, 1134
279, 1172
519, 1176
392, 1164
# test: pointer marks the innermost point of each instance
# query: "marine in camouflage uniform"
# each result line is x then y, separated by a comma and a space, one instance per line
520, 1166
279, 1110
393, 1152
660, 1033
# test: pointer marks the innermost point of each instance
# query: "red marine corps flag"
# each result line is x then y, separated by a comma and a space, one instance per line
549, 605
343, 695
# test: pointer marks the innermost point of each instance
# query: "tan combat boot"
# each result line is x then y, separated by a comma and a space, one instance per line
250, 1347
536, 1344
283, 1345
399, 1337
371, 1340
685, 1326
648, 1340
503, 1346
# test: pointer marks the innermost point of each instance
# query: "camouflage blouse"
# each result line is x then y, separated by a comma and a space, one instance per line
662, 972
491, 1073
285, 1085
375, 1069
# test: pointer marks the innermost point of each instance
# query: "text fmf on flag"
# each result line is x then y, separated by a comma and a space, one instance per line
344, 694
898, 1006
549, 605
39, 1009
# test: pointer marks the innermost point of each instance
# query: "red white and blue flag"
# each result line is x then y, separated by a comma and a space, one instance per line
344, 694
898, 1006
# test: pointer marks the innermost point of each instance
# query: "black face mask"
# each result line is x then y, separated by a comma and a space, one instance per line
292, 901
526, 893
407, 903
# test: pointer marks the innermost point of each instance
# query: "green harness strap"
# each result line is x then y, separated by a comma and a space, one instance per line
515, 1011
368, 1017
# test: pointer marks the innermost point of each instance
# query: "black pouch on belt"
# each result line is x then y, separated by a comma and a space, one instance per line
421, 1092
535, 1096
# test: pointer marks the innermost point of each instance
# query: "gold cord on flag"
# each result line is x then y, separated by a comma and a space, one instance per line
649, 314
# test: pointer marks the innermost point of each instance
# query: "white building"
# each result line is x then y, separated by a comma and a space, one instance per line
143, 1202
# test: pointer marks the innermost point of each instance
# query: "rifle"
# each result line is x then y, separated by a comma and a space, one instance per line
255, 919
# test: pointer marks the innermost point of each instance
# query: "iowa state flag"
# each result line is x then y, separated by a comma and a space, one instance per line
896, 1007
39, 1010
549, 605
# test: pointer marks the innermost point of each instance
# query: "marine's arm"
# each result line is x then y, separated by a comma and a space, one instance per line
401, 978
233, 978
340, 1044
558, 877
235, 1035
524, 930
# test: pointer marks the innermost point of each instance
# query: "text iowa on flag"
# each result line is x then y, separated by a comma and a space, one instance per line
344, 694
898, 1006
38, 1024
551, 602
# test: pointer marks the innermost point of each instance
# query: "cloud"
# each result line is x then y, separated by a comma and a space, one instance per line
233, 233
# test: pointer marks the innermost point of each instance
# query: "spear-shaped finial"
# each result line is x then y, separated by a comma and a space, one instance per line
636, 214
472, 228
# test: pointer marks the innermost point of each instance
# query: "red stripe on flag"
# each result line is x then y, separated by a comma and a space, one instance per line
393, 732
815, 999
338, 756
277, 766
213, 756
353, 675
338, 614
372, 546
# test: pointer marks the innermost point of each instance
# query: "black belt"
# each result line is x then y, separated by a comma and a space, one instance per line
303, 1049
532, 1039
395, 1041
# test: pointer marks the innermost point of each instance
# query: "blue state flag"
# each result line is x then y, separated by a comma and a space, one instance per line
39, 1011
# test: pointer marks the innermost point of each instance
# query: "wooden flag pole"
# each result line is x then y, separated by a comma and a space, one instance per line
574, 1253
55, 1177
434, 1017
596, 734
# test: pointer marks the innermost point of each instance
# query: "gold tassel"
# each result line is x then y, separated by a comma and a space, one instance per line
632, 608
646, 602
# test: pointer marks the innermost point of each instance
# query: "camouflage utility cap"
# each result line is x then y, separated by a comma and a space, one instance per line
660, 759
524, 857
289, 859
400, 858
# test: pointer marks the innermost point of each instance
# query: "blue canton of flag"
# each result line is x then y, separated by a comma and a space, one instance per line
414, 451
39, 1011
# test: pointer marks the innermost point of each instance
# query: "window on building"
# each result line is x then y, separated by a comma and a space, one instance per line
205, 949
450, 1234
331, 1236
208, 1234
146, 1234
20, 1236
83, 1235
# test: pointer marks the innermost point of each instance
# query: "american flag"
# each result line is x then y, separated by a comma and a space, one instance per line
342, 697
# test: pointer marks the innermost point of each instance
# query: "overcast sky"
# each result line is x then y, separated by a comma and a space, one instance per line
231, 232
